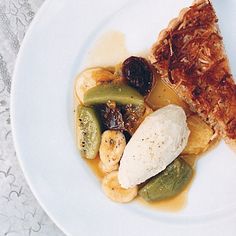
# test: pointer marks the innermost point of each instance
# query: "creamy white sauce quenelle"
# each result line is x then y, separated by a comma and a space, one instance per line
156, 143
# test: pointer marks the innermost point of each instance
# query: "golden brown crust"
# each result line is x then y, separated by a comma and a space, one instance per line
190, 55
174, 22
231, 143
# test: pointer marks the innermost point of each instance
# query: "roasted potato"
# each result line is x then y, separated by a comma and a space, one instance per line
200, 136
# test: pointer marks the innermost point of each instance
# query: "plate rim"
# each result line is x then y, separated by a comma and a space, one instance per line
37, 17
12, 105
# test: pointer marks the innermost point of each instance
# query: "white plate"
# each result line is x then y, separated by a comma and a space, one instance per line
52, 54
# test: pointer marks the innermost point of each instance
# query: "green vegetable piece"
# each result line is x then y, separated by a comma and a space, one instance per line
88, 132
168, 183
121, 94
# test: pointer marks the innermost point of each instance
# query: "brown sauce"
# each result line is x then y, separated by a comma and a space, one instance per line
173, 204
109, 50
94, 166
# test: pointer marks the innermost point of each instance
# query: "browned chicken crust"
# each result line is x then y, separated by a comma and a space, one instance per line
190, 55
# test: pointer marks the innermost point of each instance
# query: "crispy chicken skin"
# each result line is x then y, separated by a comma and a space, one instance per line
190, 56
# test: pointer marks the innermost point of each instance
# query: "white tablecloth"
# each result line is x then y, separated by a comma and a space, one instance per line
20, 213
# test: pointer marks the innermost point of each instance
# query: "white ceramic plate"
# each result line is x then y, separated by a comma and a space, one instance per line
53, 52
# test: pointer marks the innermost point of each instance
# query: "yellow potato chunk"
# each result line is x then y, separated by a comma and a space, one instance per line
200, 136
162, 95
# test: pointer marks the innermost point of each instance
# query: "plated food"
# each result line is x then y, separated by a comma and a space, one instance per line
190, 56
145, 118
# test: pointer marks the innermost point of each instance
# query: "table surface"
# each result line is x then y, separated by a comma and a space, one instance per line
20, 214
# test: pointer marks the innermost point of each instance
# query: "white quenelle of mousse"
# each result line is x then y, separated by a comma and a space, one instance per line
160, 139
